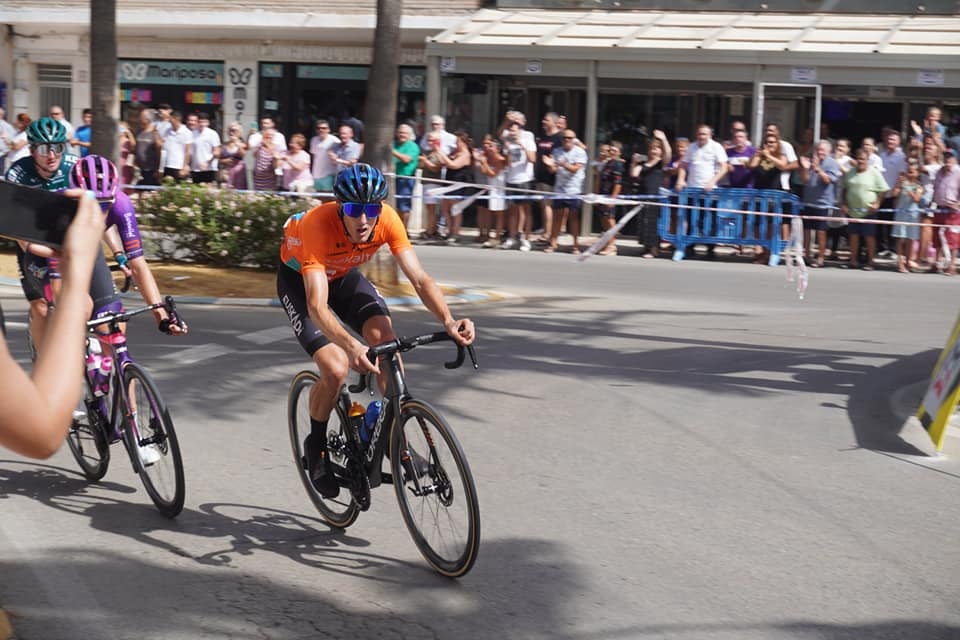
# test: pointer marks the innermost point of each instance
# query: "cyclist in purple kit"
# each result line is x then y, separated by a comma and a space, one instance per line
98, 174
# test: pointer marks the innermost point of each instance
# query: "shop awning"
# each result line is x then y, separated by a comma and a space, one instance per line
785, 38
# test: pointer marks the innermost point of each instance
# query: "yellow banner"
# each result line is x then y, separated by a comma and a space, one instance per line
943, 394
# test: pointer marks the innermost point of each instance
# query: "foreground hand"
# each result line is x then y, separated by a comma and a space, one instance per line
461, 331
81, 244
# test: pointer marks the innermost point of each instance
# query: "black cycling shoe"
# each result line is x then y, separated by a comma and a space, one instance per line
318, 467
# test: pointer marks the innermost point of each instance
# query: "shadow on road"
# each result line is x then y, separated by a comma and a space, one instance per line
196, 602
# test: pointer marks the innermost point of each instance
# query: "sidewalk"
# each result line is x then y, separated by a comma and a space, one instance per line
628, 246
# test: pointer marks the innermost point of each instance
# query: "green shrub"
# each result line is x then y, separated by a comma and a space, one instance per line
221, 227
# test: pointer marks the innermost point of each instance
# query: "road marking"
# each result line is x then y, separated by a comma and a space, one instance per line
266, 336
198, 353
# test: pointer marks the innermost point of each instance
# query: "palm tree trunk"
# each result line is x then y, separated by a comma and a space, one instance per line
380, 114
103, 77
381, 105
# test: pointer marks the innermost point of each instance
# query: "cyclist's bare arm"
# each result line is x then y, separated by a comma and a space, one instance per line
139, 270
461, 330
317, 291
151, 293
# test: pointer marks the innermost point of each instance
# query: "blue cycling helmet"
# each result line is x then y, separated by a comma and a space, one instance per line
46, 130
360, 183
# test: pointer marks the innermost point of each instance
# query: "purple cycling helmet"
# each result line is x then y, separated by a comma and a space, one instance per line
97, 174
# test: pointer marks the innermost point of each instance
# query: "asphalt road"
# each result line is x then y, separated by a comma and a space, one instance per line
661, 450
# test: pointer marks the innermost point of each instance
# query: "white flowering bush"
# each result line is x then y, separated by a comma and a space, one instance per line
221, 227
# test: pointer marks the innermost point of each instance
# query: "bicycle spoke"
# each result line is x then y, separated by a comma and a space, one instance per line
440, 507
339, 512
151, 438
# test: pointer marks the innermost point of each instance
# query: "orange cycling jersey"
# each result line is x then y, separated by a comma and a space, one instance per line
316, 239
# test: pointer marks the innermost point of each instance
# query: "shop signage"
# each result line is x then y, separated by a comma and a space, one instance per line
803, 74
881, 92
271, 70
136, 95
203, 97
930, 77
332, 72
170, 72
448, 64
413, 80
239, 79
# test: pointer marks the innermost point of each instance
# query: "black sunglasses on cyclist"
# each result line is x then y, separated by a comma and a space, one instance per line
47, 148
357, 209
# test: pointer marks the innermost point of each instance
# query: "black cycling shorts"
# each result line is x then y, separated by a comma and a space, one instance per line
352, 298
36, 273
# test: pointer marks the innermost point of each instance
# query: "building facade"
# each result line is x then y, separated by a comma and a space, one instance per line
617, 69
235, 60
620, 69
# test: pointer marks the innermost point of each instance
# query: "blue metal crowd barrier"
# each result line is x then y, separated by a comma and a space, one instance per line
696, 220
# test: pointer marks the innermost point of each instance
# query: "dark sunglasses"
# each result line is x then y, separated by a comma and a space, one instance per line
569, 137
47, 148
357, 209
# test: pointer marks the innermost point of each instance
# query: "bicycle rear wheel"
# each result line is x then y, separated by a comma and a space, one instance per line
338, 512
159, 465
87, 438
435, 489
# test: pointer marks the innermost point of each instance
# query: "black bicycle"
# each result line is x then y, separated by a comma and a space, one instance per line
428, 468
133, 411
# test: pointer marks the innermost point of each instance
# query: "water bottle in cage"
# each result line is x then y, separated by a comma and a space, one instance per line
102, 385
93, 367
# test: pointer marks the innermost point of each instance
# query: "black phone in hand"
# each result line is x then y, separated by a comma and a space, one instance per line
35, 215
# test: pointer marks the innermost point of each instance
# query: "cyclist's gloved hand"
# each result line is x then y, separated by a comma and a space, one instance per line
173, 326
122, 261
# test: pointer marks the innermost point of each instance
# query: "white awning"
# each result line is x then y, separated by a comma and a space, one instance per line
870, 40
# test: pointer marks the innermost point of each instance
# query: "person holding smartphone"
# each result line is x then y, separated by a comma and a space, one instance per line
48, 167
36, 410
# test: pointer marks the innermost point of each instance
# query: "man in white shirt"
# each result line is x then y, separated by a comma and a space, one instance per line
7, 134
206, 149
448, 141
177, 143
704, 164
324, 169
569, 163
520, 148
256, 137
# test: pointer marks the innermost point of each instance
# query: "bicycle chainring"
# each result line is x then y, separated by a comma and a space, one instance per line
358, 484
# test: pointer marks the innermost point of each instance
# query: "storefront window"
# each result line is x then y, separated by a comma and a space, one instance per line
297, 95
189, 86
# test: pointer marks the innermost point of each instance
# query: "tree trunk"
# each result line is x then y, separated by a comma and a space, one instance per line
380, 114
104, 101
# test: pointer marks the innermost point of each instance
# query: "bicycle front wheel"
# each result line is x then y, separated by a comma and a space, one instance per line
338, 512
87, 438
152, 442
435, 489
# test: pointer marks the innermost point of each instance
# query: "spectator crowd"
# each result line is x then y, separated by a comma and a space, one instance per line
894, 196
